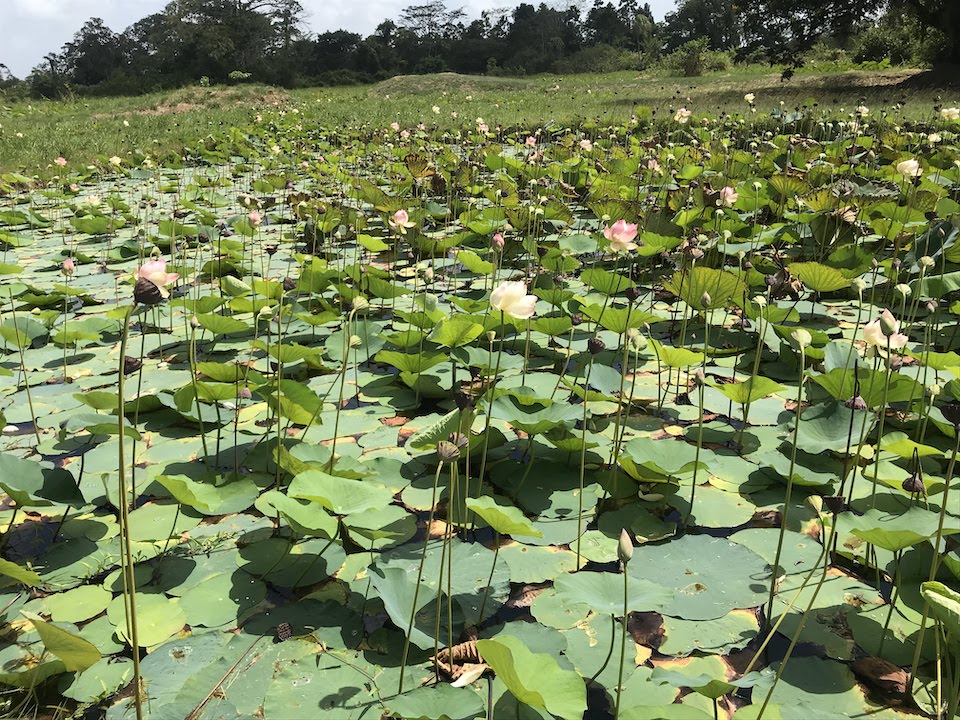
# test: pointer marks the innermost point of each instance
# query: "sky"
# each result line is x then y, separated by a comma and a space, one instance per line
32, 28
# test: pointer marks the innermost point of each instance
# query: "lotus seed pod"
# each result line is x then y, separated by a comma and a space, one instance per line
491, 336
632, 294
596, 345
859, 285
951, 411
835, 503
447, 451
888, 325
360, 304
926, 263
903, 289
625, 547
815, 503
914, 485
933, 390
356, 341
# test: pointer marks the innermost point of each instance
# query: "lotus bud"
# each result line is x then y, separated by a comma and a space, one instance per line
932, 306
637, 340
926, 263
706, 300
856, 403
194, 322
428, 275
67, 267
625, 547
802, 337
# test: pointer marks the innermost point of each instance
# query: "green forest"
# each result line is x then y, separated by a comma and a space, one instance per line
268, 41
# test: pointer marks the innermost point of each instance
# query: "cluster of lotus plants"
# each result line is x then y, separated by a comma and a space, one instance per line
641, 421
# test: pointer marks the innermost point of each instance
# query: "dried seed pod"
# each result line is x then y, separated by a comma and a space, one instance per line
146, 292
595, 345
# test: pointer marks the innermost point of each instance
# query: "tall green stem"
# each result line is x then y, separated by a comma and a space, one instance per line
129, 579
789, 495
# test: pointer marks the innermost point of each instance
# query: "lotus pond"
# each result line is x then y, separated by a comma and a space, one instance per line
643, 421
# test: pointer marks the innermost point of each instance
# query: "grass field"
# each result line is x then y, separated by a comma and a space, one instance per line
88, 130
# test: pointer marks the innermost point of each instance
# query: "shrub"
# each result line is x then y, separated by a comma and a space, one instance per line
902, 39
695, 58
600, 58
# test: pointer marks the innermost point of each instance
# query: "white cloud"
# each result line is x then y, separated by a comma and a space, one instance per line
33, 28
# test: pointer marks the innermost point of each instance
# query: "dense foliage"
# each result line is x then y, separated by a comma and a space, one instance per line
633, 420
265, 40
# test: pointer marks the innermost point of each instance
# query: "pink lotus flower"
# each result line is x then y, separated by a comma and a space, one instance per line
621, 235
511, 299
255, 218
586, 145
67, 267
652, 164
61, 161
404, 134
531, 141
395, 126
728, 196
155, 271
74, 187
497, 242
877, 340
401, 222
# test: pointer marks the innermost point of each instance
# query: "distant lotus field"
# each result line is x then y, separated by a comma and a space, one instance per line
273, 409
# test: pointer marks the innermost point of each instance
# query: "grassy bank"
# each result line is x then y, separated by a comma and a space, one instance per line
92, 129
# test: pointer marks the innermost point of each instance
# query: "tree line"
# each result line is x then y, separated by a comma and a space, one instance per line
266, 41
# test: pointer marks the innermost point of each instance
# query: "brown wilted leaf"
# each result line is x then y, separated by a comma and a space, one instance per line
881, 675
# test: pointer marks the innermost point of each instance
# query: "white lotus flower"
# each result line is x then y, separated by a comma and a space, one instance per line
511, 299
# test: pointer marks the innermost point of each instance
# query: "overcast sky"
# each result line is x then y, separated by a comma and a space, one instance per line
32, 28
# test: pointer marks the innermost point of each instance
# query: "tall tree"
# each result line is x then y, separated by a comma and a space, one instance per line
94, 54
